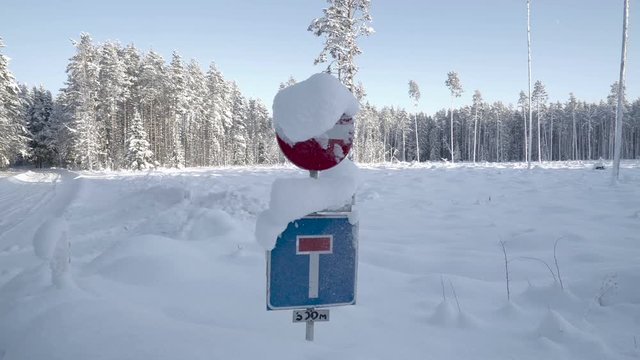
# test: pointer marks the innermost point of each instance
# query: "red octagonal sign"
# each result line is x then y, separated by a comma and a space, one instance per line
324, 151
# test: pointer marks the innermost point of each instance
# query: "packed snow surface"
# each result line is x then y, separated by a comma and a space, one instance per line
164, 265
312, 107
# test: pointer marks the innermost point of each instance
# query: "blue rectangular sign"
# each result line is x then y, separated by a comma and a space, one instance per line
314, 263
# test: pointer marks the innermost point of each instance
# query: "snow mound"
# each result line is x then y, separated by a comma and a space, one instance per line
47, 237
148, 260
36, 177
550, 296
446, 314
312, 107
556, 328
209, 224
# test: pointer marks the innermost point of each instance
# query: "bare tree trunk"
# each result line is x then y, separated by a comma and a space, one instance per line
417, 144
574, 142
498, 139
404, 149
475, 135
539, 144
589, 138
529, 62
551, 139
451, 111
619, 113
526, 142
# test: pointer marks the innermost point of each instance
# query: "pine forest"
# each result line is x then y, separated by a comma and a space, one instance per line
122, 108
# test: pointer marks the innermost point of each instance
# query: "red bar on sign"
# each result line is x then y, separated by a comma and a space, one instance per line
314, 243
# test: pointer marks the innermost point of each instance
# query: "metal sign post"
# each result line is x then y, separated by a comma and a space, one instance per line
309, 317
309, 331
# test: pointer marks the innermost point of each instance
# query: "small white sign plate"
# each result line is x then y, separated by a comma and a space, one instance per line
310, 315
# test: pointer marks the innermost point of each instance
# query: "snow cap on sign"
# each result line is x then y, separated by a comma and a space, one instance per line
311, 107
294, 198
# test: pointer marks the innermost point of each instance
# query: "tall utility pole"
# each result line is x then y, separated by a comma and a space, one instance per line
619, 112
530, 112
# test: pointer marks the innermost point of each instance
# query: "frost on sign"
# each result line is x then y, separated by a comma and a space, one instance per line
314, 123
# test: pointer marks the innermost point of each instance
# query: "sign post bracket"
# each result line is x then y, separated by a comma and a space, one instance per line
309, 331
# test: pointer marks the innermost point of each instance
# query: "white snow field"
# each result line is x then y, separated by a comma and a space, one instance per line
165, 265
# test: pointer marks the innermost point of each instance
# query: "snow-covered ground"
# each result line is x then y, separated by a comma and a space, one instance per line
164, 265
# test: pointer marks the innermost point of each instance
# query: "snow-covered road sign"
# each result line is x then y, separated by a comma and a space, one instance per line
324, 151
313, 264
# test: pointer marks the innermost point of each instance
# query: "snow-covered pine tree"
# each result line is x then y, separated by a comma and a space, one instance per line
112, 92
539, 97
81, 97
238, 131
39, 124
402, 119
215, 110
61, 133
368, 139
262, 147
132, 62
139, 156
177, 95
14, 135
152, 82
453, 83
341, 25
195, 119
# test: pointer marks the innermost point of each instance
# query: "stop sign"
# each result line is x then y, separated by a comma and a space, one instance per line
324, 151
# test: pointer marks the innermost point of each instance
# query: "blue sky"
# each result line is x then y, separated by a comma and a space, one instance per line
576, 43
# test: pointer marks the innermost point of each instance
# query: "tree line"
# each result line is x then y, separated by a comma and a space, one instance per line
121, 108
495, 132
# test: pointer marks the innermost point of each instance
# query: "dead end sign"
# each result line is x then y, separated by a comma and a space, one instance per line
313, 264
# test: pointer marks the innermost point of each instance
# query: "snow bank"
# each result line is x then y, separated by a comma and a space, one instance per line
312, 107
149, 260
145, 290
36, 177
294, 198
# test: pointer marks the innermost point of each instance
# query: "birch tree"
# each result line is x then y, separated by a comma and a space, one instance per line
540, 98
477, 105
522, 103
414, 93
453, 83
529, 72
619, 110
